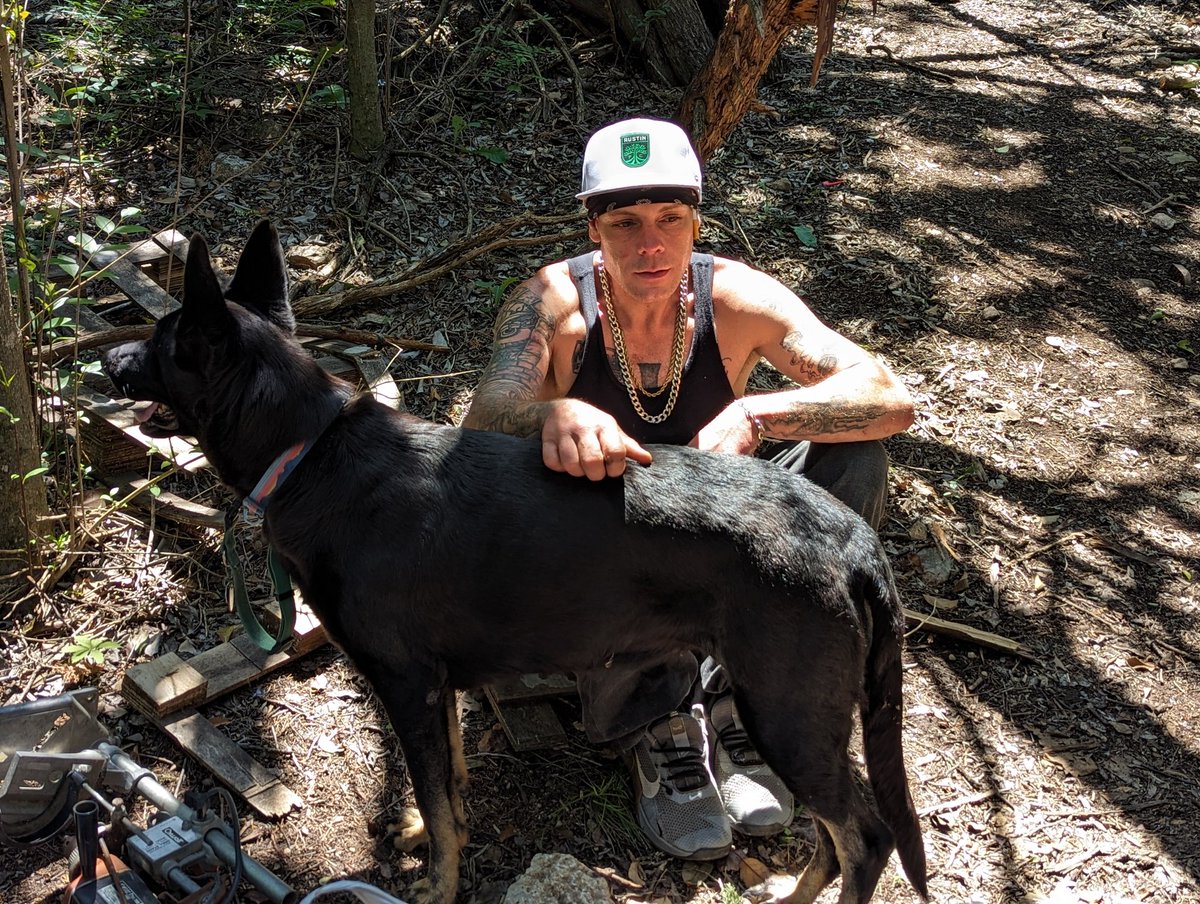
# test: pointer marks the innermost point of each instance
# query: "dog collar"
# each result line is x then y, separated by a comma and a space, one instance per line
254, 506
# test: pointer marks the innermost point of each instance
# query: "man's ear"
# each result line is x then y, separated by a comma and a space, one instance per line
695, 225
203, 301
260, 282
593, 230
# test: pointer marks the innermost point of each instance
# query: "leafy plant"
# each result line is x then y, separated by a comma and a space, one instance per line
495, 290
459, 126
86, 648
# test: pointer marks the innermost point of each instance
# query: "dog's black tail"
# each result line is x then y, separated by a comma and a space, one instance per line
883, 721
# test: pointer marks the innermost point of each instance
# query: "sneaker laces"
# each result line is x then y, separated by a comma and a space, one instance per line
684, 767
735, 740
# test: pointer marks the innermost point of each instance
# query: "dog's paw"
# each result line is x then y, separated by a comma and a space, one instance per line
423, 891
775, 889
408, 832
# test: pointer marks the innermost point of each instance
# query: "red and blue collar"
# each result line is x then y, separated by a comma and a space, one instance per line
254, 506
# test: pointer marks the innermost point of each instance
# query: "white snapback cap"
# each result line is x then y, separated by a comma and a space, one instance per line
639, 153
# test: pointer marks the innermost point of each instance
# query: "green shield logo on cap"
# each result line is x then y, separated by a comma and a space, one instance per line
635, 149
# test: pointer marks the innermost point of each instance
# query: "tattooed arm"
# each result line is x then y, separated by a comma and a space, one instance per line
509, 397
536, 340
844, 394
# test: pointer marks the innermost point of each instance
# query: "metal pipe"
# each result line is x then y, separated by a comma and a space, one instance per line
87, 837
144, 782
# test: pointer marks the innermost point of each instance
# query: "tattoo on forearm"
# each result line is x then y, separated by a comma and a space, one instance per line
812, 370
836, 416
522, 420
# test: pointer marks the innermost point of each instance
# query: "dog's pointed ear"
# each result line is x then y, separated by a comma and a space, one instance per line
203, 301
260, 282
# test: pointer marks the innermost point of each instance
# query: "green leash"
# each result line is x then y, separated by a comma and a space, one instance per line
236, 592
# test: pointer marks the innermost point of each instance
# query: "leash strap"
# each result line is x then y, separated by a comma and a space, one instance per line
236, 592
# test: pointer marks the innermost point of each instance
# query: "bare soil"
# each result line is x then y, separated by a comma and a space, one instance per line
1002, 197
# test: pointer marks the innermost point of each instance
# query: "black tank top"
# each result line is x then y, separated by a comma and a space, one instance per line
704, 390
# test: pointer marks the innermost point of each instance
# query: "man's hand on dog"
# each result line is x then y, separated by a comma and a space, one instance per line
583, 441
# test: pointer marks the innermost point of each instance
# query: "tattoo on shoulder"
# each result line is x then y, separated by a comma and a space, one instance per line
812, 369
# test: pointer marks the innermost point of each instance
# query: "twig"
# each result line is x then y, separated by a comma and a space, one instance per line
566, 54
923, 70
365, 337
1169, 199
456, 255
739, 235
369, 221
958, 631
1138, 182
437, 20
144, 331
948, 805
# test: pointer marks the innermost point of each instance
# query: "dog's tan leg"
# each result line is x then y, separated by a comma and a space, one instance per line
427, 725
458, 767
821, 869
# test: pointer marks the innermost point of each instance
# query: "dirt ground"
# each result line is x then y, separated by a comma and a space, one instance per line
997, 198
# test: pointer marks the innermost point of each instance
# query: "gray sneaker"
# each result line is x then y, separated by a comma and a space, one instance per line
677, 804
756, 800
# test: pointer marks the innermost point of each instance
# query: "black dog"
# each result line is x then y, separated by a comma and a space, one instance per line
440, 558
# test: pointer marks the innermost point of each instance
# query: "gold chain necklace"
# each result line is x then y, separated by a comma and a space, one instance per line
633, 385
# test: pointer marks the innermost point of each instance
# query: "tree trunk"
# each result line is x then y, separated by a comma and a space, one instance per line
670, 36
366, 117
725, 88
22, 502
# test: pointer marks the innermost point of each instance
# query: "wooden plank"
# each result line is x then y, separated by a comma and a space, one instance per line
257, 785
307, 633
86, 321
528, 688
529, 726
371, 366
163, 685
167, 504
125, 269
121, 417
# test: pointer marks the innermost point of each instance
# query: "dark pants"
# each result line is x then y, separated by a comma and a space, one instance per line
621, 700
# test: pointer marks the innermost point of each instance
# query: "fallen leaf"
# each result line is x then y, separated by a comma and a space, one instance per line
940, 602
696, 872
636, 875
807, 237
753, 871
506, 833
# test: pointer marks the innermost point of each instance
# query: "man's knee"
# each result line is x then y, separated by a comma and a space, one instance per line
856, 473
